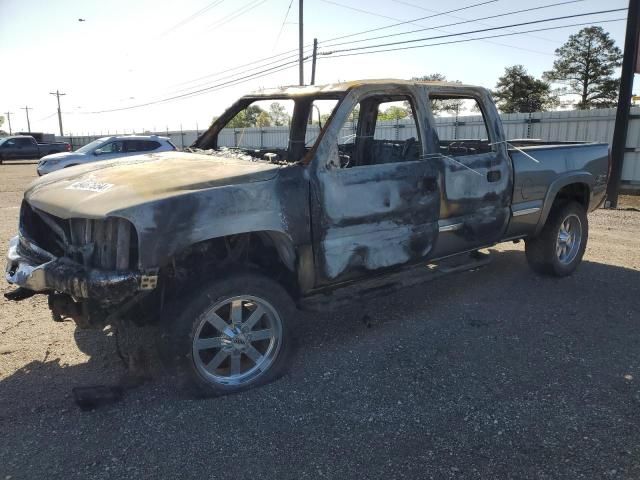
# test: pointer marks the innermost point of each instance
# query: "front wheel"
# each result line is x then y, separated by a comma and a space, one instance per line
559, 248
232, 335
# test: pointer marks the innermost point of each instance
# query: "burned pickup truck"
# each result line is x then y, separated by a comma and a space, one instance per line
217, 247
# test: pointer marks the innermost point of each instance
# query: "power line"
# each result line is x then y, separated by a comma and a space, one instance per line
233, 80
531, 22
252, 5
436, 28
400, 23
289, 53
475, 20
458, 17
47, 117
218, 77
262, 73
331, 55
213, 75
308, 46
283, 22
193, 16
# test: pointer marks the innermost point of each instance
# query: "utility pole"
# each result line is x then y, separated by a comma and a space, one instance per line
301, 40
313, 61
26, 109
9, 120
57, 94
630, 66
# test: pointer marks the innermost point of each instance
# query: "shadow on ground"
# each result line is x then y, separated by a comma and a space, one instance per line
496, 372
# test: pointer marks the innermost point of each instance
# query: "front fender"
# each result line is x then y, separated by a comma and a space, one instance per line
168, 226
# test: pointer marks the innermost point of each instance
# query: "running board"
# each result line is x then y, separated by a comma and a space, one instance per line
383, 284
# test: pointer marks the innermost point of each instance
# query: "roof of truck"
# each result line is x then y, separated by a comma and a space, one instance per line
294, 90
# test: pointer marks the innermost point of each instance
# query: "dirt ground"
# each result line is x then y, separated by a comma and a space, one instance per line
496, 373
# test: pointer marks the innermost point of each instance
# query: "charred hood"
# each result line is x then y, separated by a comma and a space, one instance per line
95, 190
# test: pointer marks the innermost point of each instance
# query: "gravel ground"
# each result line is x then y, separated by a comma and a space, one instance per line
496, 373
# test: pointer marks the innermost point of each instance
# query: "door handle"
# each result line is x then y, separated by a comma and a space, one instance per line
429, 184
493, 175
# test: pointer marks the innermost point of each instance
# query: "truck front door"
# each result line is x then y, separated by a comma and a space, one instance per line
374, 198
30, 148
475, 173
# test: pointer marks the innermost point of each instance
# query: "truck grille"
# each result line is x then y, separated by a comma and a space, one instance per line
108, 244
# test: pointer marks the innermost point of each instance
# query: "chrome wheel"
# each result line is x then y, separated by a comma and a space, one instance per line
237, 340
569, 239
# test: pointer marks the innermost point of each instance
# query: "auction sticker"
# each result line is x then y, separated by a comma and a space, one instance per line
90, 185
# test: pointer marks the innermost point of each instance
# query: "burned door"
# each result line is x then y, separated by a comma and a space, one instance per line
475, 171
375, 200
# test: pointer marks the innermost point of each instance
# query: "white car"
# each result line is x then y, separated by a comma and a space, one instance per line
106, 148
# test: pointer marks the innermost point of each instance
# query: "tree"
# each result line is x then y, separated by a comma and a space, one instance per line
440, 106
1, 120
263, 120
585, 65
394, 113
246, 118
278, 114
517, 91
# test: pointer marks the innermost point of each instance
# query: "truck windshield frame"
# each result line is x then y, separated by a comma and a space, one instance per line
297, 147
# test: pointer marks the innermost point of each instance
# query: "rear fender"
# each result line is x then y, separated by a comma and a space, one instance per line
555, 187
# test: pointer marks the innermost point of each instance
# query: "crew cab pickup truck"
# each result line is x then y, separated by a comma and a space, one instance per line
25, 146
217, 247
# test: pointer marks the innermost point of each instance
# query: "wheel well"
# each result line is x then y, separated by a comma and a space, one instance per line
578, 192
272, 253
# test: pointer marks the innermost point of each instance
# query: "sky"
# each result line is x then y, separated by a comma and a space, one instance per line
131, 52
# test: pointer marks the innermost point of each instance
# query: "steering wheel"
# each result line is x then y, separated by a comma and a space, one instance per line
410, 142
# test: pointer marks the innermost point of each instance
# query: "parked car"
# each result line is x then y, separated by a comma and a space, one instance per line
106, 148
218, 247
19, 147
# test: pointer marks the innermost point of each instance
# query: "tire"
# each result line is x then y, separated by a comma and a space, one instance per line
213, 358
560, 246
1, 159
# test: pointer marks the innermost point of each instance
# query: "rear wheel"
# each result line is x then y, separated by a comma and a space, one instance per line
232, 335
559, 248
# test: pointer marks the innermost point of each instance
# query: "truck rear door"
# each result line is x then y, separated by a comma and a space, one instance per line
374, 198
475, 173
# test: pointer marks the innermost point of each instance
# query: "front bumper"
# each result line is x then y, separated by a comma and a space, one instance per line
35, 269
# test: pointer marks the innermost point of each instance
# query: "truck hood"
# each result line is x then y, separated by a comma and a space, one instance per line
95, 190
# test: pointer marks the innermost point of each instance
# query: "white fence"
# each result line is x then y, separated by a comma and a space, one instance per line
574, 125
